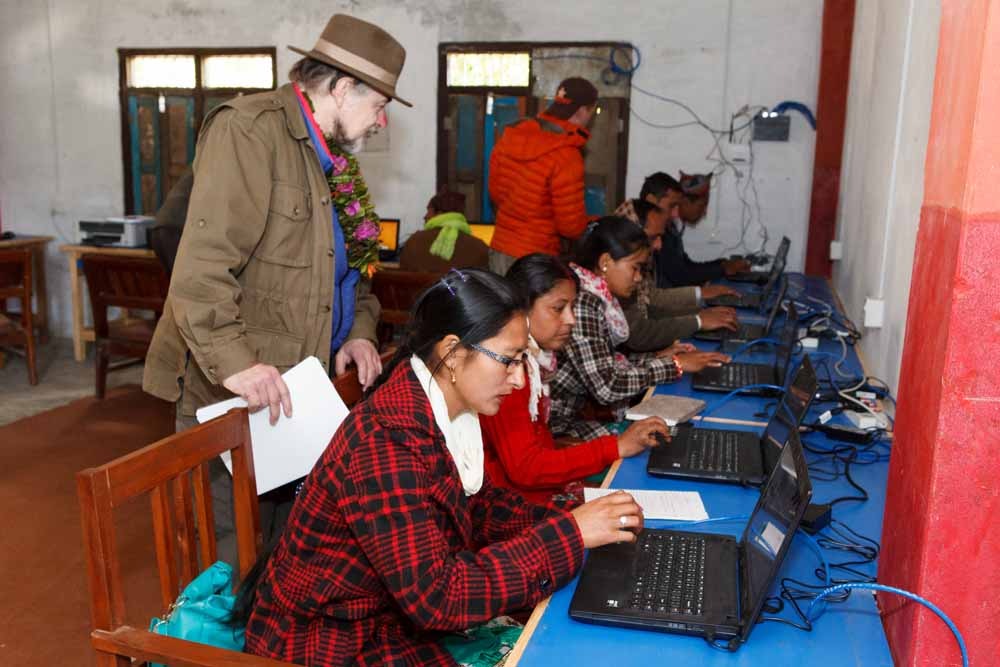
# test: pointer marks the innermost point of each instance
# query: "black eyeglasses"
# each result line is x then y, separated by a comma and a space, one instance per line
512, 363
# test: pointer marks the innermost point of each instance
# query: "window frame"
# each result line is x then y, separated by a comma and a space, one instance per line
444, 90
198, 94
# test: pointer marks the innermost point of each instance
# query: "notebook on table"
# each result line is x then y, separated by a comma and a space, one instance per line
671, 409
761, 277
736, 457
700, 584
747, 331
735, 375
755, 300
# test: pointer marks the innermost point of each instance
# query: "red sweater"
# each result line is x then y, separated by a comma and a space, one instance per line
521, 454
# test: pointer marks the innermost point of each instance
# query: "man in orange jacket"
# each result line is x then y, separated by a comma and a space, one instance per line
536, 177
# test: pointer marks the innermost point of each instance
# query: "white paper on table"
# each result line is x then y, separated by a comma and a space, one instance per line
673, 505
288, 450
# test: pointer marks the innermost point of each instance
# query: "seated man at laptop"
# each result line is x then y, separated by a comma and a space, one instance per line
446, 241
609, 263
689, 197
659, 316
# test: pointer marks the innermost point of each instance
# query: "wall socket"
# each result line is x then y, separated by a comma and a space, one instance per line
836, 250
739, 153
874, 313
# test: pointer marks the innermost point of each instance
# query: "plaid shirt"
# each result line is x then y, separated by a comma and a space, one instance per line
384, 552
588, 365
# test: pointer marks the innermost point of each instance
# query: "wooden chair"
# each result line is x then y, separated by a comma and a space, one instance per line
174, 473
348, 385
129, 283
397, 291
15, 283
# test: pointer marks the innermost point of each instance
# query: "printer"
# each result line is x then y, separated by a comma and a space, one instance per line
129, 231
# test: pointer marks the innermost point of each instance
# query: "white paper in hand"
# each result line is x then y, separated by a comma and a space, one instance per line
288, 450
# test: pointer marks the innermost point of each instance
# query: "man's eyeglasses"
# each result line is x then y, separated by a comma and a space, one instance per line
512, 363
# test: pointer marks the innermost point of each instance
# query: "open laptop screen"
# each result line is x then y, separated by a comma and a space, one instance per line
776, 307
772, 526
778, 266
787, 341
800, 392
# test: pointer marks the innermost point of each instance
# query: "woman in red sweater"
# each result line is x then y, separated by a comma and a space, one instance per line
519, 449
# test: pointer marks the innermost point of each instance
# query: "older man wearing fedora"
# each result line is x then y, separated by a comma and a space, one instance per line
280, 236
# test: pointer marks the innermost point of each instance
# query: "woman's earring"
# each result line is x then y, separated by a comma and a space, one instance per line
604, 269
452, 371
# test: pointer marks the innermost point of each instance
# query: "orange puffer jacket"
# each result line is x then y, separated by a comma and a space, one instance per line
536, 183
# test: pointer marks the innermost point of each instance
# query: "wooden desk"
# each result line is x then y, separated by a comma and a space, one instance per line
37, 246
83, 334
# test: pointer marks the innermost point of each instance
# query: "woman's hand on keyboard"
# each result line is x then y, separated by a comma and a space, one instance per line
615, 517
641, 435
692, 362
675, 349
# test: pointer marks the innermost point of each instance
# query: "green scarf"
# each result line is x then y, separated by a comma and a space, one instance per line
450, 225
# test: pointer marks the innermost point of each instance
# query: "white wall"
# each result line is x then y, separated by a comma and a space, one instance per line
60, 145
888, 118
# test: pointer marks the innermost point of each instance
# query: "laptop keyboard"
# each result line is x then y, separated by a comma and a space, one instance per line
670, 573
714, 451
742, 301
737, 375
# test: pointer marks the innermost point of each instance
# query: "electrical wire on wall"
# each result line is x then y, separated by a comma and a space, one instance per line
623, 62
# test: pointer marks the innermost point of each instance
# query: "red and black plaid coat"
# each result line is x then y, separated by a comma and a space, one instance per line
384, 552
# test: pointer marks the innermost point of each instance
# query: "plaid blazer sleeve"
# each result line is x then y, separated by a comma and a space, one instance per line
389, 508
502, 514
607, 378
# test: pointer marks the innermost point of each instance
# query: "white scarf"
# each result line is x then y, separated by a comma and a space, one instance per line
462, 436
538, 388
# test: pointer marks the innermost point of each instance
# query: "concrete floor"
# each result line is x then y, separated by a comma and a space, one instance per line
61, 379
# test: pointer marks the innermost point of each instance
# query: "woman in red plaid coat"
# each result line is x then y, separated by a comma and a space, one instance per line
397, 539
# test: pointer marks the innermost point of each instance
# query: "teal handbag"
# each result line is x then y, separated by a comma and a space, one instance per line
202, 610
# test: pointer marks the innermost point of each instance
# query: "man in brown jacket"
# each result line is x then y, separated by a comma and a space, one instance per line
256, 287
261, 280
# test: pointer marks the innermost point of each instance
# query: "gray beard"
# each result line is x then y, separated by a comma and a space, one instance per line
353, 147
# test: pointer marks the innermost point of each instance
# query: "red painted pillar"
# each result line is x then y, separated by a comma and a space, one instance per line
941, 535
831, 117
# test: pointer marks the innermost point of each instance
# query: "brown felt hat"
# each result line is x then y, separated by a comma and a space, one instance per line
362, 50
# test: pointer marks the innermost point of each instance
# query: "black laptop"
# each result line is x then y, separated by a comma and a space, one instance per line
736, 457
734, 375
761, 277
699, 583
746, 331
756, 299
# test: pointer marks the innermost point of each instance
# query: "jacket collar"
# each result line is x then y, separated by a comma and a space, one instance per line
554, 124
293, 113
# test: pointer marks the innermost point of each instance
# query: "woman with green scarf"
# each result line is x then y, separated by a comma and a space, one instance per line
446, 241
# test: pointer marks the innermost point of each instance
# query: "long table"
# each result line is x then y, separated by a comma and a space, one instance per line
847, 634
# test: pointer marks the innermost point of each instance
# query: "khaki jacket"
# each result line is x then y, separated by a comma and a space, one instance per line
253, 280
657, 317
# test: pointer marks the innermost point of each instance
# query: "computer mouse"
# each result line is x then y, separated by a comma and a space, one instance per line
6, 236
